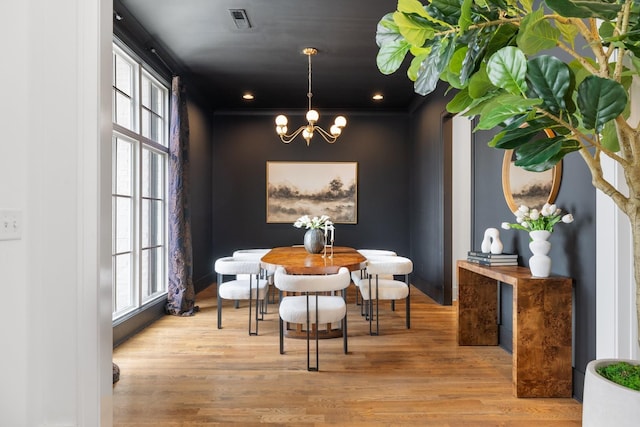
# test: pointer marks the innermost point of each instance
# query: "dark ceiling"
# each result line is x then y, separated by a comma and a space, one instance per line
199, 38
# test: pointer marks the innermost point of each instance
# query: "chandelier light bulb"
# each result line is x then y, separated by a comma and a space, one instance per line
312, 116
307, 133
281, 120
341, 121
281, 130
335, 130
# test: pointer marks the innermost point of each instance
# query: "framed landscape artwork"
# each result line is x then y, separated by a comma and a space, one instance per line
532, 189
312, 188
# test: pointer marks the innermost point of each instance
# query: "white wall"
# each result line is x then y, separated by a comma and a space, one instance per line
616, 319
461, 194
55, 168
13, 165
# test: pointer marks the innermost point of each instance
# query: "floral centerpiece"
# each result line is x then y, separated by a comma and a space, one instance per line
317, 228
316, 222
534, 219
539, 224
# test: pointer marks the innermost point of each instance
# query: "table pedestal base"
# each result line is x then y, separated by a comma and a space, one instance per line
296, 330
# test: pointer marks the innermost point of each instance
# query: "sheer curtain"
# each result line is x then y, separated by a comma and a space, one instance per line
181, 292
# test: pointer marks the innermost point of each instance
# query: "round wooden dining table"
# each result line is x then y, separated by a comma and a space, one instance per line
296, 260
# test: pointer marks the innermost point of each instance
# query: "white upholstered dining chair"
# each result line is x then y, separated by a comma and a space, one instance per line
265, 273
381, 284
245, 285
359, 277
315, 303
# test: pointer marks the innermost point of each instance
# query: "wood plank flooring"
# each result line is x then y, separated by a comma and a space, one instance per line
186, 372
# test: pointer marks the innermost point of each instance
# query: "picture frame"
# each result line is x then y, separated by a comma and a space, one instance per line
312, 188
532, 189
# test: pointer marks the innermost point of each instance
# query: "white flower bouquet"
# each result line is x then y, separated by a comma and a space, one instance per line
534, 219
322, 222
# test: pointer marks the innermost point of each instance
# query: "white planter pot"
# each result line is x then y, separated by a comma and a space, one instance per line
606, 403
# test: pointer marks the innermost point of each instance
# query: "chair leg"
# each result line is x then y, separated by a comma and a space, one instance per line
370, 309
219, 301
344, 333
309, 367
371, 315
344, 321
408, 304
219, 312
251, 305
281, 336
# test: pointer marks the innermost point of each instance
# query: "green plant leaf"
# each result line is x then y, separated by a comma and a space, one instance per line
549, 79
478, 105
527, 5
476, 49
600, 100
536, 33
538, 152
479, 83
433, 66
460, 101
569, 32
391, 55
505, 35
515, 137
503, 108
387, 30
452, 72
609, 138
507, 69
585, 8
465, 15
414, 67
445, 9
414, 29
412, 6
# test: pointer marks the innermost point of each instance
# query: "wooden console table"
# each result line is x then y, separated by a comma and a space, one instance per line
541, 324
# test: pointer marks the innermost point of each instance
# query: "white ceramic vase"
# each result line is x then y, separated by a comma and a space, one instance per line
540, 263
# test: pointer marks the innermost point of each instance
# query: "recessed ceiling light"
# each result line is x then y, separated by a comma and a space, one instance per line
377, 97
247, 96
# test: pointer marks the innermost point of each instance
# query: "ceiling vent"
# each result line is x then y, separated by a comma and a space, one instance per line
240, 18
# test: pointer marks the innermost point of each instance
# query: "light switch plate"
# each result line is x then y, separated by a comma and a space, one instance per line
10, 224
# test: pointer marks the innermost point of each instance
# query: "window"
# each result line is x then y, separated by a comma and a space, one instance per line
139, 189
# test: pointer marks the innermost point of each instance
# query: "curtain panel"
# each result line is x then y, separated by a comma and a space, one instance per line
181, 292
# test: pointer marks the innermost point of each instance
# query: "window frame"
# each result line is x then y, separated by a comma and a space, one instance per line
132, 132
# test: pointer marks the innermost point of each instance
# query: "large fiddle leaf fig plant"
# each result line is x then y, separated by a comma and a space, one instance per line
528, 66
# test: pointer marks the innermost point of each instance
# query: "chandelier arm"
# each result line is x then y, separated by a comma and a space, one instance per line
326, 135
290, 137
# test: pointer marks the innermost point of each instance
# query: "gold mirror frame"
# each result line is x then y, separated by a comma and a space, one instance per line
548, 183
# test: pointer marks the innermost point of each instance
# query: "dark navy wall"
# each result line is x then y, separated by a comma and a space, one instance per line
572, 245
430, 202
243, 143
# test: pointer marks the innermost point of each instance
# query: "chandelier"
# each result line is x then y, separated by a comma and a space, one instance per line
312, 117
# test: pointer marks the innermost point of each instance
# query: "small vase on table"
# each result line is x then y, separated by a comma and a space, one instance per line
540, 263
314, 240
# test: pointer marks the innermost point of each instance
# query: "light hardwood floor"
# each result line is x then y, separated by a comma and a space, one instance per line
186, 372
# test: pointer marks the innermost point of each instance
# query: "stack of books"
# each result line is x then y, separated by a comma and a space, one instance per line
486, 258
